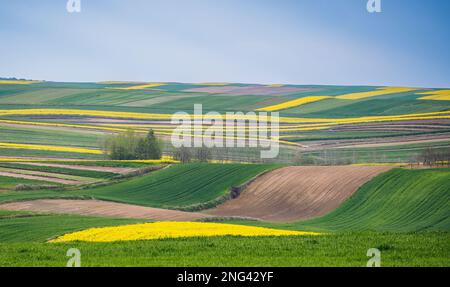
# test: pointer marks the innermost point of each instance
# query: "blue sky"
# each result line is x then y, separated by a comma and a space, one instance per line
251, 41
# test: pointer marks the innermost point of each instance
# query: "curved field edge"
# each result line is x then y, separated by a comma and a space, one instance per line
400, 200
298, 193
186, 187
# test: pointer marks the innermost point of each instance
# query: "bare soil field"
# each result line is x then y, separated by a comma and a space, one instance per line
298, 193
101, 208
37, 177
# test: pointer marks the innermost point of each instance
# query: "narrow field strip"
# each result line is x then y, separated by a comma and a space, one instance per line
49, 148
74, 178
293, 120
138, 87
100, 208
293, 103
378, 92
119, 170
17, 82
161, 230
36, 177
38, 167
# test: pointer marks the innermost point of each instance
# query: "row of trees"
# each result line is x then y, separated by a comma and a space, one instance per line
435, 157
129, 146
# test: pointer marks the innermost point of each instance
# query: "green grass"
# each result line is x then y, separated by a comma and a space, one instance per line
47, 136
47, 154
29, 227
60, 170
428, 249
180, 185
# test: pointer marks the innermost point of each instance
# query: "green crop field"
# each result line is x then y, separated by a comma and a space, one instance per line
59, 170
181, 185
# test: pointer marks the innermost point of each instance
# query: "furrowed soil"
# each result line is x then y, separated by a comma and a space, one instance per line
298, 193
100, 208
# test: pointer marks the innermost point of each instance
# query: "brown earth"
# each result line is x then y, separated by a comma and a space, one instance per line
100, 208
298, 193
37, 177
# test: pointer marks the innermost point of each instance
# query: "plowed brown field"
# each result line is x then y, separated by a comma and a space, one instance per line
101, 208
296, 193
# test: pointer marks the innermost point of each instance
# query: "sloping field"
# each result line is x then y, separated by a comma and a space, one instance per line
16, 226
295, 193
180, 185
100, 208
400, 200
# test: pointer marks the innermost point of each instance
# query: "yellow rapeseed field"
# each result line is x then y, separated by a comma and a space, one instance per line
378, 92
439, 95
160, 230
139, 87
120, 83
44, 124
49, 148
293, 103
132, 115
17, 82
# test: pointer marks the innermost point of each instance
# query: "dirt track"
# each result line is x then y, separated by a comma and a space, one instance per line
100, 208
296, 193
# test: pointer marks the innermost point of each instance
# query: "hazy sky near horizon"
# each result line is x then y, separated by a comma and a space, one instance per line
249, 41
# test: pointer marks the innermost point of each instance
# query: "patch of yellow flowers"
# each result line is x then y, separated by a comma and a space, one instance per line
133, 115
378, 92
293, 103
139, 87
49, 148
162, 230
350, 96
17, 82
439, 95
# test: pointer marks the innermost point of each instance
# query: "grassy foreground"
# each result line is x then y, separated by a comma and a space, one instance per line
349, 249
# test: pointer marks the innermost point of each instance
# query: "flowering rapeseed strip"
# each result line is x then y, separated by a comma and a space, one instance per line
138, 87
440, 95
133, 115
161, 230
49, 148
293, 103
17, 82
378, 92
